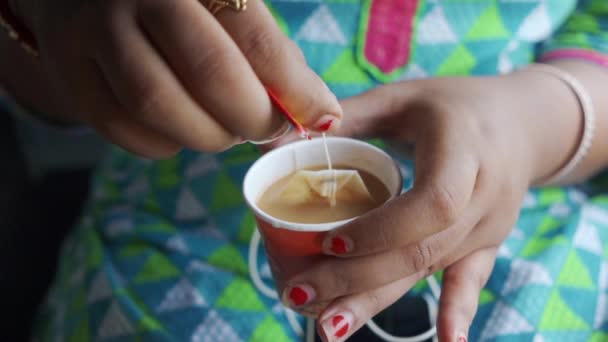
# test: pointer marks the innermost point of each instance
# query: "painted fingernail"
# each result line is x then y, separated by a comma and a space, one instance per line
338, 245
461, 338
299, 295
337, 326
324, 124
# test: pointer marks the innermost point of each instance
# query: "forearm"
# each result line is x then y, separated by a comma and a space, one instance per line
556, 120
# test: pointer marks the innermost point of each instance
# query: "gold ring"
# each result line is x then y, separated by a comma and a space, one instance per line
214, 6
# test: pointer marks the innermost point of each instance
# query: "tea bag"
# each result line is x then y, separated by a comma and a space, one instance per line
307, 186
332, 185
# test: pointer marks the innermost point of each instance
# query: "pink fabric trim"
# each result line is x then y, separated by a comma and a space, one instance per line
589, 55
389, 33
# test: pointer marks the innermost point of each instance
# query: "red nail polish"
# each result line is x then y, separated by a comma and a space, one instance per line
326, 126
462, 338
298, 296
342, 331
338, 245
336, 320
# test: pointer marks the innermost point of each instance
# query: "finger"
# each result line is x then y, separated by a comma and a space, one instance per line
348, 314
445, 178
146, 87
462, 283
281, 66
94, 98
211, 66
336, 277
378, 112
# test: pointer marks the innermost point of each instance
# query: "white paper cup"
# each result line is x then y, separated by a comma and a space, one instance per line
290, 239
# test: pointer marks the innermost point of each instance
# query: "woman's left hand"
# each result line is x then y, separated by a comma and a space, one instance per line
479, 144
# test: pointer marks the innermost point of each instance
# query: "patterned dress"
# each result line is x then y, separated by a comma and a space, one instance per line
160, 253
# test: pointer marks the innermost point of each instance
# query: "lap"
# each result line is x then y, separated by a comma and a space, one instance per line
161, 254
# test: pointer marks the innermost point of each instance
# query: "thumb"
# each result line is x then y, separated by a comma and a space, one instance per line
462, 283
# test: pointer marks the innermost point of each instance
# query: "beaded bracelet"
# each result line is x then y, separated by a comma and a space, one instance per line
16, 29
586, 104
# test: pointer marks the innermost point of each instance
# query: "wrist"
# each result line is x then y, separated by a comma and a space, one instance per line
550, 117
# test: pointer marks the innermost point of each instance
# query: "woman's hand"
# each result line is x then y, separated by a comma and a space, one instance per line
154, 76
479, 144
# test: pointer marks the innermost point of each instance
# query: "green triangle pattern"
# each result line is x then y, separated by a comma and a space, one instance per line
225, 193
278, 18
489, 25
133, 249
111, 190
583, 22
538, 245
461, 61
95, 250
240, 295
228, 258
79, 302
158, 227
599, 337
486, 296
82, 332
548, 224
345, 70
269, 330
156, 268
558, 316
247, 227
551, 196
574, 273
151, 205
148, 323
168, 175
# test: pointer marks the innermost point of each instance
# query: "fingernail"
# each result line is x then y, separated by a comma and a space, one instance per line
337, 326
325, 123
299, 295
461, 338
338, 245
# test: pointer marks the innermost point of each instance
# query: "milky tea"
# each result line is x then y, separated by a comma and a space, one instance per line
318, 209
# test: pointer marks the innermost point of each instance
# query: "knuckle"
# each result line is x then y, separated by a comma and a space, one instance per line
148, 99
385, 239
342, 283
211, 64
420, 257
263, 48
375, 301
445, 204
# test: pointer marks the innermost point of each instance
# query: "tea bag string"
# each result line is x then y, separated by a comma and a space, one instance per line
334, 184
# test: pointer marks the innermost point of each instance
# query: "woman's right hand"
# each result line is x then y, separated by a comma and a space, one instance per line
154, 76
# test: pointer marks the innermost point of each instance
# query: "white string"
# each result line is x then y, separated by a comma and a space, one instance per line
334, 185
310, 330
435, 289
262, 287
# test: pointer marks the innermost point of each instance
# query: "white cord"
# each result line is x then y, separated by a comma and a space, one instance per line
334, 185
435, 289
310, 330
588, 110
253, 267
263, 288
291, 316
